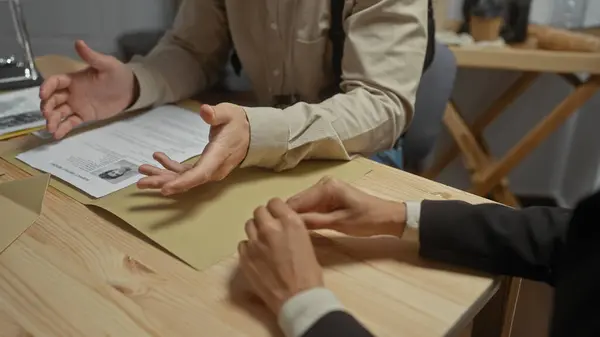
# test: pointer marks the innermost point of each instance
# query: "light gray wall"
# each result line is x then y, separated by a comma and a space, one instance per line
582, 174
55, 24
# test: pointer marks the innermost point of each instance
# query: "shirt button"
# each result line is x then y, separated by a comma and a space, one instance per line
276, 72
273, 26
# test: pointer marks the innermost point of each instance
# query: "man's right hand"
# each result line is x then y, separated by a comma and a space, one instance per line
332, 204
102, 90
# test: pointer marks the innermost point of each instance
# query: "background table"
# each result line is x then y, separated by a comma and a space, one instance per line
488, 175
81, 272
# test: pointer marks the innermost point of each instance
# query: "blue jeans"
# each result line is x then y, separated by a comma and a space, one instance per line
392, 157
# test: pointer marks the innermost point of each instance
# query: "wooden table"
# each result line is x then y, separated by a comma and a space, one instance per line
487, 174
76, 272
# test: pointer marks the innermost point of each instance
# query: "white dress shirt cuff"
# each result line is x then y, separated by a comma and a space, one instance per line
413, 214
305, 309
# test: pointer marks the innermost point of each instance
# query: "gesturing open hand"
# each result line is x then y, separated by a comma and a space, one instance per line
100, 91
228, 145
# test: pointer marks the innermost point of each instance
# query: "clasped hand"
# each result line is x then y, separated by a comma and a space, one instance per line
278, 259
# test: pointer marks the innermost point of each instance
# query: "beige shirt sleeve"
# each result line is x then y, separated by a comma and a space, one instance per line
188, 58
383, 60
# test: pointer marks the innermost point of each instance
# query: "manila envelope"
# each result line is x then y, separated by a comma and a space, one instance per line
20, 206
205, 225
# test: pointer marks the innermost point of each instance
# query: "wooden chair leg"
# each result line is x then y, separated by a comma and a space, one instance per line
496, 108
502, 193
475, 156
485, 181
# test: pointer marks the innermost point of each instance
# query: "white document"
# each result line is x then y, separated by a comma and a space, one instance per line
20, 110
106, 159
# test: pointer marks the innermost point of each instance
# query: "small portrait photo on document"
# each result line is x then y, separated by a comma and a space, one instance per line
117, 172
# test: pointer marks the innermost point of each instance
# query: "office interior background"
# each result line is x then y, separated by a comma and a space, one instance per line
564, 168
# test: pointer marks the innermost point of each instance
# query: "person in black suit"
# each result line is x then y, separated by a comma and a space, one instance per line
553, 245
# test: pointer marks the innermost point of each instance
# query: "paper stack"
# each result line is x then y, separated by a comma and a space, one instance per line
20, 113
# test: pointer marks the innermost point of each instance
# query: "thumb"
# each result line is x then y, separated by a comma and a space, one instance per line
214, 115
93, 58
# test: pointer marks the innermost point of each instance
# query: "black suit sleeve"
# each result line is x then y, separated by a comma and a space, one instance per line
493, 238
337, 324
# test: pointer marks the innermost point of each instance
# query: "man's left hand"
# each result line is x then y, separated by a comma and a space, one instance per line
278, 259
228, 145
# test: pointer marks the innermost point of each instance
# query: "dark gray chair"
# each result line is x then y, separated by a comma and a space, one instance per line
433, 94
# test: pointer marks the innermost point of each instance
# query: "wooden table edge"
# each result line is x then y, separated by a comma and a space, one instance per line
469, 315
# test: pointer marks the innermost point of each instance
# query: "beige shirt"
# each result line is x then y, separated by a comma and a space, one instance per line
284, 48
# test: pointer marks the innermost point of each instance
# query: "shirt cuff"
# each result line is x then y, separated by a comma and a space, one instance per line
413, 214
269, 134
148, 93
305, 309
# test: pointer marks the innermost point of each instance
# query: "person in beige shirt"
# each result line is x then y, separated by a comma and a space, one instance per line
285, 50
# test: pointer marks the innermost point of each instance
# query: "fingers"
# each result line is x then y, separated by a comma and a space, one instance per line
209, 163
315, 221
57, 98
246, 261
283, 212
158, 177
308, 200
57, 115
251, 231
93, 58
249, 256
54, 110
248, 265
243, 249
155, 182
263, 218
151, 170
328, 194
169, 163
53, 84
66, 126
